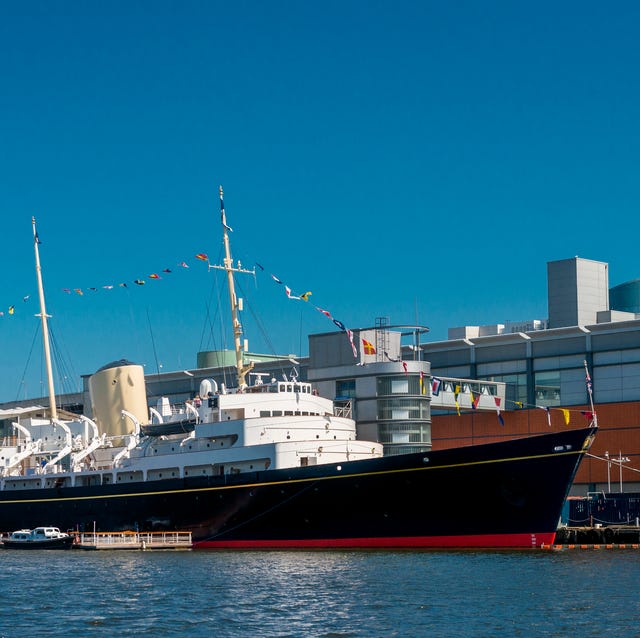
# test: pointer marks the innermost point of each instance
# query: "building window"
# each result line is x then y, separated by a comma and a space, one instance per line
547, 388
345, 388
406, 384
403, 409
400, 386
410, 433
516, 388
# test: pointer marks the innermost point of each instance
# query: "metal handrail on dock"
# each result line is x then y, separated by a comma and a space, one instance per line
133, 540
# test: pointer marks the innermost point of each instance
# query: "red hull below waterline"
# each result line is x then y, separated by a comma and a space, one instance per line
480, 541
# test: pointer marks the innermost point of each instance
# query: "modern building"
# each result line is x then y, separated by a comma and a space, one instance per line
545, 373
386, 382
383, 390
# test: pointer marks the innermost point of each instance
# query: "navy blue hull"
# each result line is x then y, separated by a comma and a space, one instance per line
49, 543
507, 494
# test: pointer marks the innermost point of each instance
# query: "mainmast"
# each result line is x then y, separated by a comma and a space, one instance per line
45, 329
242, 369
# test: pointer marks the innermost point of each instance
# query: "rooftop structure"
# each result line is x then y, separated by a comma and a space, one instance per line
626, 297
578, 289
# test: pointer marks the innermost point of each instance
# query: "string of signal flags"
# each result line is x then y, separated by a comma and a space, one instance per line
367, 347
13, 308
201, 257
438, 385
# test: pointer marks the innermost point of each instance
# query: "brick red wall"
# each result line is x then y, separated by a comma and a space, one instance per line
619, 430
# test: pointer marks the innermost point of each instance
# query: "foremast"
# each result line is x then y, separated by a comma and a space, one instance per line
45, 329
228, 267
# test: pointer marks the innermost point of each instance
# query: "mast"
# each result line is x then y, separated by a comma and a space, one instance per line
45, 329
242, 370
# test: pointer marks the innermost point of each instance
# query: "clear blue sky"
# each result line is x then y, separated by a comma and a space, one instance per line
415, 160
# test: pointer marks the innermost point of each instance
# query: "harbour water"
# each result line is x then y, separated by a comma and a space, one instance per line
320, 594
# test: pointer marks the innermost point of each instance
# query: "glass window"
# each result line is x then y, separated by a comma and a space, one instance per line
406, 384
516, 389
400, 386
405, 433
548, 388
404, 409
345, 388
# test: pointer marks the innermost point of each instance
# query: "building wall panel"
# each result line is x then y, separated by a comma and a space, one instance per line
615, 340
557, 363
555, 347
501, 367
616, 356
501, 352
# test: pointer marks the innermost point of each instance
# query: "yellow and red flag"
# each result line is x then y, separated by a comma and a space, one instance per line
368, 347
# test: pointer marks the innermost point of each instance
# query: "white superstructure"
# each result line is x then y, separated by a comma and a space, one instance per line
277, 425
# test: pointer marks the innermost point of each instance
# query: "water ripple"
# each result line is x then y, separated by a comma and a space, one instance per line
319, 594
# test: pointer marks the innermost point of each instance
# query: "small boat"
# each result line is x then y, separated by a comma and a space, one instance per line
38, 538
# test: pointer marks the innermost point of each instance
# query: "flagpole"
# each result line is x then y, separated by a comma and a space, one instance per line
590, 392
45, 329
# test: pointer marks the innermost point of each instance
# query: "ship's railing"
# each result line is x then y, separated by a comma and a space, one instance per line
343, 408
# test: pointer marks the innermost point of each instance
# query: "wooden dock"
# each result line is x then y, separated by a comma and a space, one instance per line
133, 540
592, 546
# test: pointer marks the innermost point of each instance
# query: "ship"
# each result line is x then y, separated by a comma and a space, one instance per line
271, 465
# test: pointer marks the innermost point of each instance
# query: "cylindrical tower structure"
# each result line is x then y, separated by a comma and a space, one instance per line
115, 387
625, 297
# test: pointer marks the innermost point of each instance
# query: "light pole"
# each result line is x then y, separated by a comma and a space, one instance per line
620, 460
606, 456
